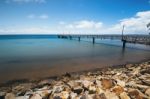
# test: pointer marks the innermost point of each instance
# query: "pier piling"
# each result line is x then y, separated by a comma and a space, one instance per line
93, 40
79, 38
124, 43
140, 39
70, 37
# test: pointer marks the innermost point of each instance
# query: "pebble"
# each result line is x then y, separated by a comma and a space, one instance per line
129, 82
92, 89
78, 90
134, 94
120, 83
118, 90
124, 96
107, 83
102, 96
10, 96
111, 95
22, 97
35, 96
147, 92
86, 83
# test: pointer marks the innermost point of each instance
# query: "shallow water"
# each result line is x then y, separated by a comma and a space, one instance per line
42, 57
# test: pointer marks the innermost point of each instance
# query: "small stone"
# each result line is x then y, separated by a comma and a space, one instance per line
118, 90
84, 96
73, 95
129, 66
67, 75
147, 82
130, 84
22, 88
45, 82
56, 97
35, 96
2, 97
111, 95
92, 89
86, 83
96, 96
108, 73
43, 93
124, 96
10, 96
134, 85
67, 88
73, 84
144, 71
135, 94
136, 71
42, 88
30, 92
120, 83
57, 89
2, 93
98, 83
22, 97
144, 77
107, 83
147, 92
77, 90
64, 95
102, 96
99, 90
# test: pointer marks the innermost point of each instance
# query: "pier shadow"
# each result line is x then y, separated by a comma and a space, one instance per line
122, 53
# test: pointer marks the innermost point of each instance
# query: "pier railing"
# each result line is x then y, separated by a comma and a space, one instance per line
140, 39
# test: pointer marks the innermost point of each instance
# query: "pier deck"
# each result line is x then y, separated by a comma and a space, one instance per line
140, 39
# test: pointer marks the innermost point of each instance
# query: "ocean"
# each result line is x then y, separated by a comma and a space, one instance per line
38, 56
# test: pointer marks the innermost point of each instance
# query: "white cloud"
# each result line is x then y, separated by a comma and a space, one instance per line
62, 23
85, 24
88, 24
28, 30
43, 16
69, 26
25, 1
133, 25
138, 23
31, 16
82, 26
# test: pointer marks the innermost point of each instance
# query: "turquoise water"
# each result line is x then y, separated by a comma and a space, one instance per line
42, 57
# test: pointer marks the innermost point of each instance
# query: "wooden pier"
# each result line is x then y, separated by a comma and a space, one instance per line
139, 39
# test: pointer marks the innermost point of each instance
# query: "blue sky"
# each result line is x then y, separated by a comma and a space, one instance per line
73, 16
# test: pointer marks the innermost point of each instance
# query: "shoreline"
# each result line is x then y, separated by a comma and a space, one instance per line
22, 80
76, 70
17, 87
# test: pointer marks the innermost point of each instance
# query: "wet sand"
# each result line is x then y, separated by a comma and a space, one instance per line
61, 67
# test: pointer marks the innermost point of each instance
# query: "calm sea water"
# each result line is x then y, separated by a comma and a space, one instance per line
42, 56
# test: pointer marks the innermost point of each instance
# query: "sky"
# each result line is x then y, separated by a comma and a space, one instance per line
74, 16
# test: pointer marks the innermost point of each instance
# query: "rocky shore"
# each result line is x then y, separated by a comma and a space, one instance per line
131, 81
